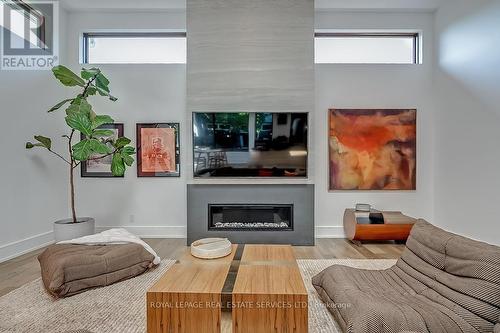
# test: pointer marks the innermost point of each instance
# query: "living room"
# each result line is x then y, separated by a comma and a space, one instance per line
291, 126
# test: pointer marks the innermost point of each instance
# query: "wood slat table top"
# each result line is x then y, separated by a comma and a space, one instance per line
194, 275
270, 270
257, 252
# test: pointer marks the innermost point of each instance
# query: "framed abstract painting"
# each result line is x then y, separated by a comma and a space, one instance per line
372, 149
158, 152
101, 168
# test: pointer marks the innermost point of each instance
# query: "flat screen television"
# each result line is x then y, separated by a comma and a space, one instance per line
250, 144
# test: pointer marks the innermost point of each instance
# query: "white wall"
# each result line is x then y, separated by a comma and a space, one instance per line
374, 86
33, 190
468, 119
149, 93
161, 202
455, 92
146, 93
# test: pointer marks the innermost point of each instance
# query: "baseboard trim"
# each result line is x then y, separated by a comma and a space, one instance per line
152, 231
23, 246
329, 232
181, 231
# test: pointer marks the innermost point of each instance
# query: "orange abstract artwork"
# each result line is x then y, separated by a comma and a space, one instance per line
372, 149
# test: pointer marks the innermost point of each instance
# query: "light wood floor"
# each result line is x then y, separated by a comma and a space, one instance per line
21, 270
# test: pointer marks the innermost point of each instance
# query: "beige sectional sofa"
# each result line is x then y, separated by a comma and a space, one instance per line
442, 283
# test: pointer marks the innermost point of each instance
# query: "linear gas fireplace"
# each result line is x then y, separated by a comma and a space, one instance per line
251, 213
269, 217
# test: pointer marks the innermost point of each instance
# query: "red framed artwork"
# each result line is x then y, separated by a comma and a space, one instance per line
158, 151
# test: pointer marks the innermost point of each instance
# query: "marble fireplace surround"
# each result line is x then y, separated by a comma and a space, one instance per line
250, 56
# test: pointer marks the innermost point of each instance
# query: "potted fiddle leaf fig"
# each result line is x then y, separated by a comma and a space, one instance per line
97, 143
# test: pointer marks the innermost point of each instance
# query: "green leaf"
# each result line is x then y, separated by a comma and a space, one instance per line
87, 74
46, 142
30, 145
125, 154
121, 142
117, 165
100, 85
101, 80
58, 105
99, 147
81, 150
84, 149
91, 91
129, 150
78, 99
103, 133
80, 121
101, 120
127, 159
102, 89
103, 92
67, 77
80, 105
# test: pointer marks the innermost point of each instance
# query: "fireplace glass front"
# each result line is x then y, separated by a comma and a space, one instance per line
268, 217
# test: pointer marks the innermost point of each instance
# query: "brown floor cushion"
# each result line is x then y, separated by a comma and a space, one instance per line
69, 269
442, 283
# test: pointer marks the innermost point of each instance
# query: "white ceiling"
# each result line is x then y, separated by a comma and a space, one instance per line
152, 5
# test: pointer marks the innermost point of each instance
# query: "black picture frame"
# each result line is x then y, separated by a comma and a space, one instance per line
84, 168
141, 150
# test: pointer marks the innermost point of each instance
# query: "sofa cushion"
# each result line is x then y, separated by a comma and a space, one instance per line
379, 301
70, 269
438, 285
467, 280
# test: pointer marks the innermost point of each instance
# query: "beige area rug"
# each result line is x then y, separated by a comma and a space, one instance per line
121, 308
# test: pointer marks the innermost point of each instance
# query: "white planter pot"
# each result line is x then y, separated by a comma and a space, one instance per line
66, 229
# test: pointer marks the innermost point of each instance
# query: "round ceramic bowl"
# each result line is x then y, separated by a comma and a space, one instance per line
211, 248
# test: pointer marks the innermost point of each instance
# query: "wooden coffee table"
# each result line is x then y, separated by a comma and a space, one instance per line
260, 284
269, 294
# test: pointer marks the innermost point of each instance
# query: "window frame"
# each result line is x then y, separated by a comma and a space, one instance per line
415, 35
84, 54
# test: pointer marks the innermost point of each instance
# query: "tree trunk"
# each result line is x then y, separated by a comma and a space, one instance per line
71, 177
72, 188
